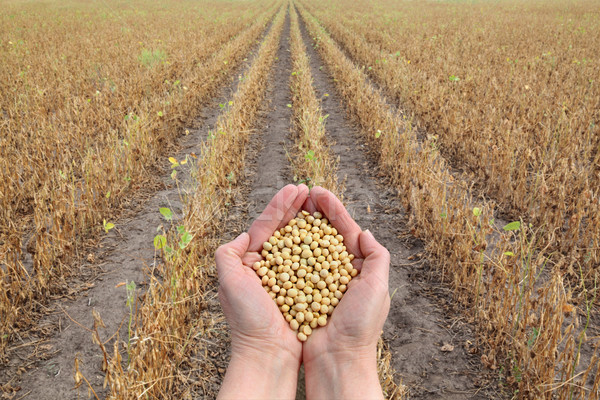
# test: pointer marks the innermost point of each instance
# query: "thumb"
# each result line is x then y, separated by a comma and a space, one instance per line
376, 257
229, 256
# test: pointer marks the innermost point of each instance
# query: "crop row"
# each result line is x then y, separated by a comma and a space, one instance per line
521, 308
313, 161
77, 147
521, 120
172, 318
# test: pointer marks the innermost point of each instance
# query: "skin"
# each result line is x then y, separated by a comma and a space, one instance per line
340, 359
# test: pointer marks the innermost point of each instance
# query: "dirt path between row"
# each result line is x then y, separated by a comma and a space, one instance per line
126, 254
417, 330
267, 170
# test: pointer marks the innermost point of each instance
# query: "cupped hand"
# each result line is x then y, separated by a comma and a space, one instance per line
354, 328
257, 326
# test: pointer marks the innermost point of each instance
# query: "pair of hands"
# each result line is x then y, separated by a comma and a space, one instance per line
339, 358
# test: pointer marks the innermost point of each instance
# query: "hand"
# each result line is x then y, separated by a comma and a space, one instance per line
266, 355
340, 358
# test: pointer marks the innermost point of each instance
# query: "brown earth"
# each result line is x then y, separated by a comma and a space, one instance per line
125, 254
417, 328
428, 342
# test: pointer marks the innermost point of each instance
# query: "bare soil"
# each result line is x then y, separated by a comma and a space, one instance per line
429, 342
125, 254
417, 330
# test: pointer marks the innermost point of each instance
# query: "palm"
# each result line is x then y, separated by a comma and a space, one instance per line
253, 316
259, 313
360, 315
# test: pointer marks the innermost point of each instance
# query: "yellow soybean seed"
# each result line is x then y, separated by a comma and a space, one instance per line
307, 330
306, 253
305, 269
294, 324
308, 316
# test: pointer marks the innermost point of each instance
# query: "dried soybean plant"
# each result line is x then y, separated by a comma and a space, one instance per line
311, 134
457, 234
312, 160
86, 114
530, 142
171, 316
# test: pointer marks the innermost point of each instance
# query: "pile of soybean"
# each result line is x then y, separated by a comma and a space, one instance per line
306, 269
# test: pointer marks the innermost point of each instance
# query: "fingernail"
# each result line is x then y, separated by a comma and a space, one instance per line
368, 232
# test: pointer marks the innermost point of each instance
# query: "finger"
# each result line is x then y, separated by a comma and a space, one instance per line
376, 264
228, 257
309, 205
250, 258
282, 208
336, 213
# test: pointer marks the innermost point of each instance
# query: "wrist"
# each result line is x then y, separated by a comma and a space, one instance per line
343, 374
260, 373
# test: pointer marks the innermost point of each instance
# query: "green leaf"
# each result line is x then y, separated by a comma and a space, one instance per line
107, 226
453, 78
173, 174
309, 156
513, 226
186, 238
166, 212
160, 113
160, 241
533, 337
289, 105
509, 253
107, 195
378, 134
443, 215
476, 211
